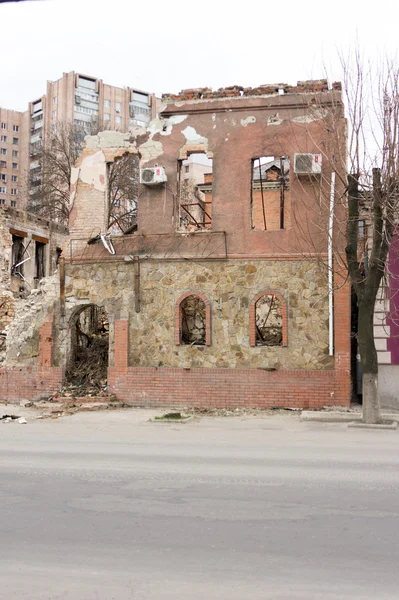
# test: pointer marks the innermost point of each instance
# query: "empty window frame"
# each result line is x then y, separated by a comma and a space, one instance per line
40, 260
268, 320
193, 320
13, 203
195, 193
15, 128
19, 255
270, 201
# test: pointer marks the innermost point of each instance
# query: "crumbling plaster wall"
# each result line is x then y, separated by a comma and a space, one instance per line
230, 287
89, 203
232, 129
23, 332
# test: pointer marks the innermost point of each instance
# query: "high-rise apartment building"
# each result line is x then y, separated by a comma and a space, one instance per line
13, 157
75, 98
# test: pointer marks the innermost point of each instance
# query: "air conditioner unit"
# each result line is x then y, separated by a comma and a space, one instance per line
77, 100
307, 164
153, 176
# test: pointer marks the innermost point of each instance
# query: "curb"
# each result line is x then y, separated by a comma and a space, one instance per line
356, 425
341, 417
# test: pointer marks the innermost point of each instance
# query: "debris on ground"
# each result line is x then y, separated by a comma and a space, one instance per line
87, 389
8, 418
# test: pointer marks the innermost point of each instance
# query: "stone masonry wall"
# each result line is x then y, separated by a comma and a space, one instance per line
229, 286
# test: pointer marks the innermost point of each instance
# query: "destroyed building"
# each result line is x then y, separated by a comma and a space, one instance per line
217, 293
30, 248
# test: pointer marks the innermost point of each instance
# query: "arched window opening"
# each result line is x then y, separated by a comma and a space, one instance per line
193, 321
269, 321
88, 363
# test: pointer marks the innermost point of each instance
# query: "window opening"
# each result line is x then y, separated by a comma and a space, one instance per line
269, 187
40, 260
123, 185
19, 255
268, 321
195, 192
58, 252
193, 321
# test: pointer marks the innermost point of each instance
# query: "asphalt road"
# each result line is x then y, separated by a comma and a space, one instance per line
108, 506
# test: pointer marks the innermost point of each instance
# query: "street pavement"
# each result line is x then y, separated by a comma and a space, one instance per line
110, 506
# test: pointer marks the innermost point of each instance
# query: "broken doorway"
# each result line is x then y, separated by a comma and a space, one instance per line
88, 363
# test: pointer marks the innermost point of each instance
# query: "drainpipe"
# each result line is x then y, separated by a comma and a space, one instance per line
330, 269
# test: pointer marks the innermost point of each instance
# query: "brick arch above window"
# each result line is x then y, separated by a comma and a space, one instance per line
178, 317
252, 316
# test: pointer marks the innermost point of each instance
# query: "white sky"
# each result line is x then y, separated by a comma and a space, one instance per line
169, 45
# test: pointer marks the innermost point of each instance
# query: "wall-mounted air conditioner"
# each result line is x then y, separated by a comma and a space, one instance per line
307, 164
153, 176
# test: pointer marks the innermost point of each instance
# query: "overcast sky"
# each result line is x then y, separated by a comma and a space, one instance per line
164, 46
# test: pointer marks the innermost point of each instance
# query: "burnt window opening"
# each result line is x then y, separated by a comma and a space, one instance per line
123, 186
40, 260
195, 193
270, 202
269, 321
193, 321
58, 252
19, 254
88, 362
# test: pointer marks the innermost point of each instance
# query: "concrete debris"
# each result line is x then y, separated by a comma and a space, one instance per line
22, 421
25, 403
8, 418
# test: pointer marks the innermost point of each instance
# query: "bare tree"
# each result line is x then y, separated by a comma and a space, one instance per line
50, 180
373, 194
367, 191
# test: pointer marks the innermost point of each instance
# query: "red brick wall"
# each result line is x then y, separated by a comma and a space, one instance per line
151, 386
271, 203
33, 383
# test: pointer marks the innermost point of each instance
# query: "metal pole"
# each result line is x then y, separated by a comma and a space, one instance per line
330, 269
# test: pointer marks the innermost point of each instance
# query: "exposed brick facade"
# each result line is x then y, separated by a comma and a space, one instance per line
19, 383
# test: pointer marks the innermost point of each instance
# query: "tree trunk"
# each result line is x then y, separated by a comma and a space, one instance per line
368, 357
